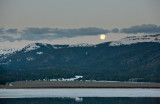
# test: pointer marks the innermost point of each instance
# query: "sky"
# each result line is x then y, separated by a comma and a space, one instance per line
75, 21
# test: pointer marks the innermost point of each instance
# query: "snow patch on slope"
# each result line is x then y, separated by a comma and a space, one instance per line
82, 45
30, 58
31, 47
7, 50
6, 63
39, 53
136, 39
55, 47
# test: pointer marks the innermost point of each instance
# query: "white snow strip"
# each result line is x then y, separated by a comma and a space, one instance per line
39, 53
38, 93
136, 39
7, 50
81, 45
31, 47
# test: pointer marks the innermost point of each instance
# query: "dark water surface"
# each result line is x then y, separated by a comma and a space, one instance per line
85, 100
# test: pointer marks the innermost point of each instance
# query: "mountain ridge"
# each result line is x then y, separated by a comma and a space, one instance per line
136, 39
124, 41
140, 61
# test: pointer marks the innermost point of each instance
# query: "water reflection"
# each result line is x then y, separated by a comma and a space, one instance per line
78, 100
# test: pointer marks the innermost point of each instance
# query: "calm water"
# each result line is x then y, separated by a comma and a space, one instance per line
79, 96
91, 100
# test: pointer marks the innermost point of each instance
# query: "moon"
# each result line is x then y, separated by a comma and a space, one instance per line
102, 36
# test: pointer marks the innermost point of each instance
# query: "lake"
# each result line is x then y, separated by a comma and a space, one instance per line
82, 96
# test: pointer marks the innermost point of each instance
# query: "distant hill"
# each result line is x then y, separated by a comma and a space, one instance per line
131, 58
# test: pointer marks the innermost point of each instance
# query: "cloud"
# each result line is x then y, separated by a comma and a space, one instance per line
35, 33
54, 33
12, 31
7, 38
115, 30
80, 32
47, 33
37, 30
145, 28
1, 30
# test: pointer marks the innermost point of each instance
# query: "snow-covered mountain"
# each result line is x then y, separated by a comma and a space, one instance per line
7, 50
119, 60
39, 55
136, 39
124, 41
31, 47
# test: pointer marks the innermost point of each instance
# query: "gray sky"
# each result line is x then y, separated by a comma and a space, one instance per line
73, 20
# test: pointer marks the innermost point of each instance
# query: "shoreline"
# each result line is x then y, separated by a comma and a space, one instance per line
85, 88
78, 85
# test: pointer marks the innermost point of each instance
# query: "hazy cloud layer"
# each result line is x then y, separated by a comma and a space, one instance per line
1, 31
115, 30
12, 31
54, 33
7, 38
145, 28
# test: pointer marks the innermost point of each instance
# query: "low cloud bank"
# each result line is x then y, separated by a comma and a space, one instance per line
47, 33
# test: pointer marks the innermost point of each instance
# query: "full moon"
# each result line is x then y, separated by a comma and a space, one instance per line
102, 36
